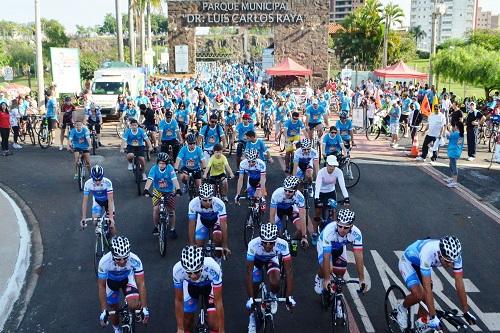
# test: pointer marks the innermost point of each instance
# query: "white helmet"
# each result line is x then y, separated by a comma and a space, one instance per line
251, 154
305, 143
291, 183
346, 216
192, 258
268, 232
206, 191
120, 247
450, 247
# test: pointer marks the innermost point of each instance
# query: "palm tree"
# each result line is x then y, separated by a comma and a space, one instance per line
131, 31
119, 30
150, 7
418, 33
392, 14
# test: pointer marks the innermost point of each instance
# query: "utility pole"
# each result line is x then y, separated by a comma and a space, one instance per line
39, 57
131, 33
119, 31
439, 9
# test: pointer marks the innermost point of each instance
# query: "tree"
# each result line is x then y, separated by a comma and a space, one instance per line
109, 25
418, 33
55, 36
5, 56
89, 63
391, 14
159, 24
401, 47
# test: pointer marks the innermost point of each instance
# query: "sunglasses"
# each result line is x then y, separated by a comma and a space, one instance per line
306, 150
206, 200
120, 259
191, 143
447, 259
267, 243
290, 191
194, 273
213, 122
343, 227
333, 132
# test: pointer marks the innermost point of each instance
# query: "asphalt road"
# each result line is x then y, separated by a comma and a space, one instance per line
394, 206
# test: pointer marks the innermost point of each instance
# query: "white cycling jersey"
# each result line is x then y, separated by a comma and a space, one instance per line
330, 240
325, 182
213, 213
280, 201
100, 192
254, 172
211, 275
425, 255
257, 252
109, 270
305, 160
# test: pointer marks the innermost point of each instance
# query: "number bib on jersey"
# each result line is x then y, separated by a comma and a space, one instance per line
162, 183
190, 163
211, 139
135, 143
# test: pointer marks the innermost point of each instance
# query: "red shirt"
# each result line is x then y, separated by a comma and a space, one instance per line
4, 120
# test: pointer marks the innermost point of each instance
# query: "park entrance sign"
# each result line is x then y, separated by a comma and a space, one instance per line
300, 27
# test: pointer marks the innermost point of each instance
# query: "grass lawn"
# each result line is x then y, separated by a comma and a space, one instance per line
422, 65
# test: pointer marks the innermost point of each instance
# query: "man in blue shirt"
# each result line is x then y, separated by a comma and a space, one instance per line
344, 126
79, 141
242, 129
170, 135
51, 114
259, 145
210, 135
135, 139
394, 114
292, 129
332, 143
314, 118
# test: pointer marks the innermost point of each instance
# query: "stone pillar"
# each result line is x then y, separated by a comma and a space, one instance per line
180, 34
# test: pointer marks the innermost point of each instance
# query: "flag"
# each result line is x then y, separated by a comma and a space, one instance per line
378, 104
435, 103
425, 108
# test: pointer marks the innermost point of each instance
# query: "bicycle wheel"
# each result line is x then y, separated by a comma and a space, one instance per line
340, 321
22, 135
352, 174
372, 132
81, 176
269, 325
402, 130
249, 228
31, 133
162, 237
282, 141
393, 297
98, 251
44, 137
94, 144
138, 176
491, 142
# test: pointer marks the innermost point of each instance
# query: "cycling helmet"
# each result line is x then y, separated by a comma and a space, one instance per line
206, 191
268, 232
251, 154
163, 157
345, 216
450, 247
343, 114
191, 138
97, 172
120, 247
305, 143
192, 258
291, 183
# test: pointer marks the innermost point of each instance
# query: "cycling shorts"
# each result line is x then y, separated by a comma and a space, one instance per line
290, 143
170, 200
338, 258
127, 286
202, 228
91, 124
292, 213
77, 150
136, 150
151, 127
301, 173
252, 187
99, 207
196, 173
259, 266
213, 179
192, 294
313, 125
324, 197
182, 127
67, 124
410, 273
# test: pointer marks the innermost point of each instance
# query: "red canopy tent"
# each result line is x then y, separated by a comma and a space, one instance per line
288, 67
399, 71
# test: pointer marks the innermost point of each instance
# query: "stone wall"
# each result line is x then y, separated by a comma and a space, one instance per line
302, 37
234, 44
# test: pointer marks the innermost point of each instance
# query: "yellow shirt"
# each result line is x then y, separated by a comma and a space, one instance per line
216, 165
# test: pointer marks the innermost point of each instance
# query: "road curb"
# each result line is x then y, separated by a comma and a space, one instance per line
33, 258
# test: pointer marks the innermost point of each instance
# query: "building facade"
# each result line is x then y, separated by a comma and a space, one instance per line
459, 18
486, 20
339, 9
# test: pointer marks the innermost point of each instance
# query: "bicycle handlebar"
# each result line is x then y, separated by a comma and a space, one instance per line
268, 300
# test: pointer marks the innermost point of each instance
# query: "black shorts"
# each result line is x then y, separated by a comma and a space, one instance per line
151, 127
313, 125
196, 291
77, 150
91, 124
122, 285
67, 124
182, 127
52, 124
323, 199
214, 179
196, 173
240, 147
404, 118
136, 150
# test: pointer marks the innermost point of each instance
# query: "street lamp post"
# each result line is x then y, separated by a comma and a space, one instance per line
39, 57
439, 10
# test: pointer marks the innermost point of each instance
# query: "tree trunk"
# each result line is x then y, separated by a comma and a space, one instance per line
119, 30
143, 38
149, 39
386, 35
131, 33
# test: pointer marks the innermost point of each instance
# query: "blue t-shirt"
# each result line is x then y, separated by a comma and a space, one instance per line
132, 113
211, 136
135, 140
334, 144
281, 113
455, 145
141, 100
259, 145
242, 130
315, 114
163, 180
51, 108
344, 129
79, 139
345, 103
191, 159
168, 130
182, 115
395, 114
293, 129
231, 119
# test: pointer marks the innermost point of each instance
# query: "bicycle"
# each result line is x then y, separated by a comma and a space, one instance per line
395, 296
82, 174
308, 195
334, 298
266, 126
30, 130
191, 187
293, 244
351, 170
230, 139
316, 142
331, 213
44, 134
202, 322
128, 318
281, 140
251, 227
93, 139
102, 237
264, 318
137, 170
378, 126
164, 224
217, 185
494, 132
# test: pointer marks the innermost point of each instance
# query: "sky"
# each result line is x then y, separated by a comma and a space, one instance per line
91, 12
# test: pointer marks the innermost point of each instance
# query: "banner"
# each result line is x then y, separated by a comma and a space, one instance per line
181, 59
66, 69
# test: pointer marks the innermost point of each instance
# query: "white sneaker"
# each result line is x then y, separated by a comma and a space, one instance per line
402, 317
16, 146
130, 167
452, 184
117, 329
252, 328
274, 304
448, 179
395, 145
60, 148
419, 158
144, 177
470, 159
318, 285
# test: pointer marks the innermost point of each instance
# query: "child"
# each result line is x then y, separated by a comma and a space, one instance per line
455, 146
15, 117
217, 165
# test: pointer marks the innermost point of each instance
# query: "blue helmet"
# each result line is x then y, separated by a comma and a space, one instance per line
97, 172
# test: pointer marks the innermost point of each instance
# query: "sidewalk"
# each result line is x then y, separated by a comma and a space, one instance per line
15, 247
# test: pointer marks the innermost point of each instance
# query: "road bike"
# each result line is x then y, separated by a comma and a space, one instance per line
333, 298
395, 296
164, 223
251, 227
329, 213
202, 321
350, 169
44, 134
230, 139
293, 244
211, 250
81, 168
266, 126
316, 141
93, 140
308, 193
137, 170
102, 237
127, 317
379, 126
281, 140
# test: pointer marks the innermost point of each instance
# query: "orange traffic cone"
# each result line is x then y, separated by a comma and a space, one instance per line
414, 146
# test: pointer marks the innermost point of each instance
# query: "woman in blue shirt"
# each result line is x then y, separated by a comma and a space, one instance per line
455, 147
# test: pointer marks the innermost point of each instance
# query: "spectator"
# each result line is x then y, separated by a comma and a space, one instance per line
456, 115
5, 128
437, 125
15, 118
395, 115
67, 110
455, 146
474, 117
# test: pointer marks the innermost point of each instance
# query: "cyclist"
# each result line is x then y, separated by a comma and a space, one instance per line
67, 110
217, 167
142, 99
190, 160
259, 145
79, 141
230, 119
293, 130
326, 180
163, 178
196, 275
263, 254
210, 135
101, 189
416, 265
288, 200
182, 118
344, 126
93, 119
170, 135
314, 118
134, 139
130, 111
305, 159
280, 116
121, 269
149, 124
256, 170
242, 129
332, 143
331, 248
207, 212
